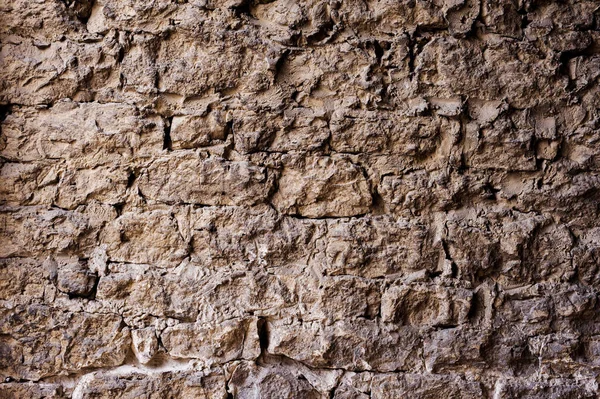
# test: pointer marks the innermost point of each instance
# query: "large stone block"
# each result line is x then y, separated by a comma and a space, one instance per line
191, 178
317, 187
40, 341
83, 134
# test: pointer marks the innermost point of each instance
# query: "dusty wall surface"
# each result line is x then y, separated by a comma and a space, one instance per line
290, 199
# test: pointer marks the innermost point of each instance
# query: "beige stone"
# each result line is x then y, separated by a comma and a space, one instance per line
299, 199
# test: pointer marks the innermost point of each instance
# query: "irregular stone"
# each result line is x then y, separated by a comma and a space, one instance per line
419, 192
479, 246
189, 177
32, 184
391, 133
302, 129
107, 185
391, 17
490, 75
554, 347
74, 278
254, 131
358, 247
250, 380
40, 341
134, 383
499, 146
28, 184
223, 236
84, 134
502, 17
584, 256
422, 305
42, 72
189, 294
29, 231
552, 389
351, 345
354, 385
215, 60
104, 15
316, 77
335, 187
423, 386
346, 298
31, 390
23, 279
145, 344
152, 237
227, 341
192, 131
44, 21
592, 350
454, 347
138, 293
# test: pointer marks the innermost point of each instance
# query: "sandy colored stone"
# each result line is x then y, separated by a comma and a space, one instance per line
351, 345
28, 231
145, 237
133, 384
189, 177
225, 236
420, 305
85, 135
249, 380
227, 341
30, 390
145, 344
40, 341
357, 247
335, 187
299, 199
424, 386
191, 131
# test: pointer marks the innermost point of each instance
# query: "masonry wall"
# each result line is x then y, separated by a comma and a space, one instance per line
299, 199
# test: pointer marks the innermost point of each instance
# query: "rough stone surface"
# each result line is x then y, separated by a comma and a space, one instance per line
343, 199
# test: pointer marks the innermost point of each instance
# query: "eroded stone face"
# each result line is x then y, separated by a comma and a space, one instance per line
193, 179
134, 383
317, 187
40, 341
299, 199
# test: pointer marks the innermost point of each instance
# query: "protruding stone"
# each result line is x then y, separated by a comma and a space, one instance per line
145, 344
318, 187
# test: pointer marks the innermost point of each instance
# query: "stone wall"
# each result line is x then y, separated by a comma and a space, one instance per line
300, 199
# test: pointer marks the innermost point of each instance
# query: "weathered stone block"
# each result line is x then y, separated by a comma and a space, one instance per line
130, 384
422, 305
145, 237
40, 341
424, 386
333, 187
221, 343
189, 177
83, 134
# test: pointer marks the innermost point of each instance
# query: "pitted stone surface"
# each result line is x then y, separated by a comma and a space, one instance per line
300, 199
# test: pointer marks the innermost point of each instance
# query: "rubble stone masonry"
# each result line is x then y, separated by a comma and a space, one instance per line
337, 199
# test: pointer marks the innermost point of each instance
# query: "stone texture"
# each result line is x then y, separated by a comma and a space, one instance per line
229, 340
317, 187
40, 341
299, 199
384, 386
190, 178
156, 231
137, 383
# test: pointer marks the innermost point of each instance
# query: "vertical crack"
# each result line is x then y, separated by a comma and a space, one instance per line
167, 143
